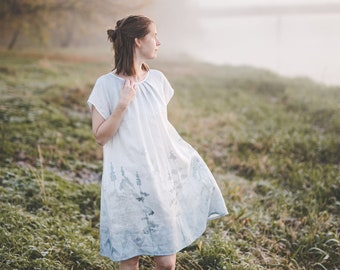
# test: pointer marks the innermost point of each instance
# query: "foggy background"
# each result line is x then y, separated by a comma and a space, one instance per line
292, 38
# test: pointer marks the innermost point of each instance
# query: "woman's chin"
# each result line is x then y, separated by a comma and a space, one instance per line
154, 56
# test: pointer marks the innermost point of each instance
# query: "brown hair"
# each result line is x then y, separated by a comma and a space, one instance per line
123, 40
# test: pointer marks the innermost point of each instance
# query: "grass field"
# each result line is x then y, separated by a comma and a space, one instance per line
273, 144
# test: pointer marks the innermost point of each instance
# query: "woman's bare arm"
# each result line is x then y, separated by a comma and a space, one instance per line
103, 130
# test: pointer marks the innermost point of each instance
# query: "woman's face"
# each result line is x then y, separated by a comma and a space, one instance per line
149, 44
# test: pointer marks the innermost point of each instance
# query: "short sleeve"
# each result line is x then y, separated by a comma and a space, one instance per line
98, 98
168, 90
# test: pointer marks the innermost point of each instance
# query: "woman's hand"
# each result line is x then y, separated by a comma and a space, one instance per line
127, 93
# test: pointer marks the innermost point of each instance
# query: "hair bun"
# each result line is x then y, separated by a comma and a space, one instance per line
111, 35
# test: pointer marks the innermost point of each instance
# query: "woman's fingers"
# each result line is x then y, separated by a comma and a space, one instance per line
129, 84
128, 92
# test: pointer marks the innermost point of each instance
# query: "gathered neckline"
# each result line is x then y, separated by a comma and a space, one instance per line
123, 79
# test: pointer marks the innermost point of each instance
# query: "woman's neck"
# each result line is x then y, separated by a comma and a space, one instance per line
140, 72
138, 77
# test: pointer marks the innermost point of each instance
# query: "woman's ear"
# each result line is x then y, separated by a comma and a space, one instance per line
138, 42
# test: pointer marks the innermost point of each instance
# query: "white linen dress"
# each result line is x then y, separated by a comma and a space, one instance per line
157, 193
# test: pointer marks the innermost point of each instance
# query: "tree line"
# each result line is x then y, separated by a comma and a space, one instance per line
58, 23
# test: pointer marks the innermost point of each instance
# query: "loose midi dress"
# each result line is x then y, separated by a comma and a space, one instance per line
157, 193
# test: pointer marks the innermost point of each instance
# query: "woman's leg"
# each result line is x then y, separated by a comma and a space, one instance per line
130, 264
165, 262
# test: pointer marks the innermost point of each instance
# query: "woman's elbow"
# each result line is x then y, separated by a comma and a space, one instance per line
99, 139
100, 142
102, 137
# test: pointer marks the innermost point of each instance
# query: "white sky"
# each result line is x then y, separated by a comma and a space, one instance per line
214, 3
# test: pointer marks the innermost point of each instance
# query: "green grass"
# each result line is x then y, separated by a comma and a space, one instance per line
272, 142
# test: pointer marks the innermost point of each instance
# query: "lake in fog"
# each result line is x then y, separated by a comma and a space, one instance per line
292, 45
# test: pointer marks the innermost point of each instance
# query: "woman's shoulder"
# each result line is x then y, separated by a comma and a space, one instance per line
155, 73
106, 77
108, 80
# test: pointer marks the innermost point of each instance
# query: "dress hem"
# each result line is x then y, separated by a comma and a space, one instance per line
168, 253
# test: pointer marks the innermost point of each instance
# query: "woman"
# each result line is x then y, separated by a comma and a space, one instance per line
157, 192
